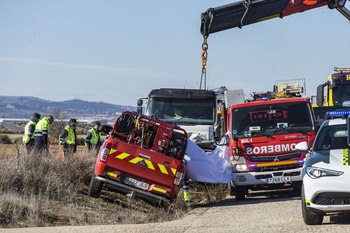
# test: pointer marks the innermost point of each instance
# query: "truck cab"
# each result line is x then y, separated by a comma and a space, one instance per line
263, 135
336, 91
195, 110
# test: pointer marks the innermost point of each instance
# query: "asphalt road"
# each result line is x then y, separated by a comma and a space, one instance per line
273, 212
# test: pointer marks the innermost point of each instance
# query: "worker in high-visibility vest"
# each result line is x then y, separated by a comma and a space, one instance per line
28, 137
41, 135
68, 139
93, 137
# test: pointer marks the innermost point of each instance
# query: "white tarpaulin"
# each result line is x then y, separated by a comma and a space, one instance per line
213, 167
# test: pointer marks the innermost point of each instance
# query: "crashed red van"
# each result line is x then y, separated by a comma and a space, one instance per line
142, 157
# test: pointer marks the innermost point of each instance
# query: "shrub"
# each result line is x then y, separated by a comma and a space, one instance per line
5, 139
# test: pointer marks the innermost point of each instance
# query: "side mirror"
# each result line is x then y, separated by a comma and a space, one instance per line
106, 129
139, 106
302, 147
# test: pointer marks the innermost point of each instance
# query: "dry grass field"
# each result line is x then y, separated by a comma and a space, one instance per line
42, 191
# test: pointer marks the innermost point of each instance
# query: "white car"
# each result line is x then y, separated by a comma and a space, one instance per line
326, 172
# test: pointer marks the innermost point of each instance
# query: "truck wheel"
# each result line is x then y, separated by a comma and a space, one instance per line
95, 187
310, 218
231, 189
240, 193
297, 188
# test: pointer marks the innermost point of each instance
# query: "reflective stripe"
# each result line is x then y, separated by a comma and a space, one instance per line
96, 137
71, 136
276, 163
122, 156
112, 174
162, 169
159, 190
26, 138
135, 160
42, 125
346, 156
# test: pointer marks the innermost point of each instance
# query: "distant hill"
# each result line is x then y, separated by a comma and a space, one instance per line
25, 106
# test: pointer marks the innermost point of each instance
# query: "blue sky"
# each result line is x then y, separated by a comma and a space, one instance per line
117, 51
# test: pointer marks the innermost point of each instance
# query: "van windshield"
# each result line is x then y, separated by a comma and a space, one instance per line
272, 119
180, 111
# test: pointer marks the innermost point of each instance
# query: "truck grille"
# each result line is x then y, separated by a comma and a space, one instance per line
276, 168
274, 158
332, 199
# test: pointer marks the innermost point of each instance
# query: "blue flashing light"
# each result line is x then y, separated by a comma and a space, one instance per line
252, 165
265, 98
300, 161
337, 114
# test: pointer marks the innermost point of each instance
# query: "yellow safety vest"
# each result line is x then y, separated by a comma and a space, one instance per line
96, 137
43, 124
26, 138
70, 139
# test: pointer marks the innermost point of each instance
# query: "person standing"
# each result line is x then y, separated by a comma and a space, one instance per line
28, 137
68, 139
41, 134
93, 137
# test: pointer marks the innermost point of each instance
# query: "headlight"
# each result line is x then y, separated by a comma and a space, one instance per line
315, 172
241, 167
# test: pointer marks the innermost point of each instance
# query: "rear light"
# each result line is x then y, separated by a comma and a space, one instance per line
179, 175
105, 153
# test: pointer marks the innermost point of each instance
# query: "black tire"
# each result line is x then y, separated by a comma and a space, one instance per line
297, 188
310, 218
95, 187
240, 193
231, 189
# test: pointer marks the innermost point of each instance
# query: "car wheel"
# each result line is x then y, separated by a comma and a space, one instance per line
240, 193
310, 218
95, 187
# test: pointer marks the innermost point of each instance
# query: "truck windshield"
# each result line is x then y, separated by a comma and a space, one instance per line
331, 137
182, 111
272, 119
341, 93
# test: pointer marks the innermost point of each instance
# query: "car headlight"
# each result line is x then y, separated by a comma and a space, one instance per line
316, 172
242, 167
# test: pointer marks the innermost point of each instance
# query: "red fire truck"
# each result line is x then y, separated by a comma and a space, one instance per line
142, 157
263, 135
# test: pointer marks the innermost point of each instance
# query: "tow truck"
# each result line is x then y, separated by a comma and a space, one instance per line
247, 12
333, 95
142, 157
337, 89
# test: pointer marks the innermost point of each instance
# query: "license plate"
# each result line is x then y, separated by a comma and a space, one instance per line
279, 179
136, 183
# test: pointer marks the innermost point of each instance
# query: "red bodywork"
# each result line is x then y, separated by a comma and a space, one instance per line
254, 149
144, 153
298, 6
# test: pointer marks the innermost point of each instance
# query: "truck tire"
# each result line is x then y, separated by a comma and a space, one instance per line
297, 188
231, 189
310, 218
95, 187
240, 193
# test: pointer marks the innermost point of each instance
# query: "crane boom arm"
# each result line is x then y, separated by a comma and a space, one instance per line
247, 12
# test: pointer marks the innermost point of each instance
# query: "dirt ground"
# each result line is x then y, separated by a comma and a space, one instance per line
259, 213
278, 211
